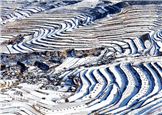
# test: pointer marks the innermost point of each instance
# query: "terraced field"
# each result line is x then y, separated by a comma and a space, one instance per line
81, 57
